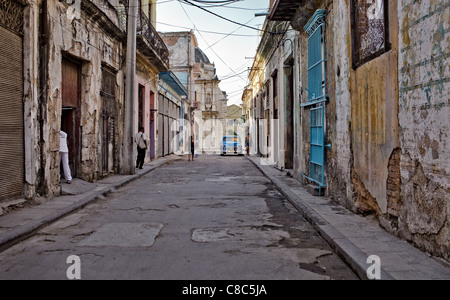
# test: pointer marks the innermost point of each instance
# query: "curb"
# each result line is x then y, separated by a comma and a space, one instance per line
24, 232
349, 253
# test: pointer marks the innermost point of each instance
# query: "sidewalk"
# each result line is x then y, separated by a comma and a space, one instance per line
354, 237
18, 225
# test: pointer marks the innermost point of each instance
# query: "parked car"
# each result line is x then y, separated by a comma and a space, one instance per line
231, 144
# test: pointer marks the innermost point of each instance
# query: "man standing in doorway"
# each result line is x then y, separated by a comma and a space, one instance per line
141, 142
64, 156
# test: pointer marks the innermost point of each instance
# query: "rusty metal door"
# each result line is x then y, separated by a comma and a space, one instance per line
70, 117
11, 115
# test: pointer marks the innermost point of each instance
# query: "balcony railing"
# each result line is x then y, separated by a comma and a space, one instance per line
151, 38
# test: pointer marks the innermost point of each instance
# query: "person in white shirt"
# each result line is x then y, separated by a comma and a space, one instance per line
141, 143
64, 156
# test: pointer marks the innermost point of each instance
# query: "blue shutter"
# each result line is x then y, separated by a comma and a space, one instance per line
316, 59
317, 144
315, 29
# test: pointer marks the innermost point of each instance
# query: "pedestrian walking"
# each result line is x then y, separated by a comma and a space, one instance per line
64, 156
247, 143
141, 143
192, 149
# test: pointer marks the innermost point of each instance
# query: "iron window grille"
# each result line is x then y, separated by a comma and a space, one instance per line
370, 30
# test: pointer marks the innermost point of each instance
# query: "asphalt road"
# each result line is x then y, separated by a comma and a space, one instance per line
217, 218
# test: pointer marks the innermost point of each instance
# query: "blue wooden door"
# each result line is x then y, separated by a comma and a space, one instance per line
317, 161
317, 97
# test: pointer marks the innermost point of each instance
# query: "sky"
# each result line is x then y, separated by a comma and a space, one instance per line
231, 47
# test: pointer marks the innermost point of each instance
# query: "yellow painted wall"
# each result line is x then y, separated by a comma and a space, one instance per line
374, 116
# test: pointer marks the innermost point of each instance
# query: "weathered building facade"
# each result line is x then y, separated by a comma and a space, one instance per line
207, 115
211, 113
152, 58
171, 106
181, 47
67, 73
423, 207
369, 87
72, 78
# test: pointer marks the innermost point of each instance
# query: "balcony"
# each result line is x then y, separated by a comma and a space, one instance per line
283, 10
148, 40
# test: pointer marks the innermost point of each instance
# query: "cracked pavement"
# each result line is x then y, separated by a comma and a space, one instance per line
215, 218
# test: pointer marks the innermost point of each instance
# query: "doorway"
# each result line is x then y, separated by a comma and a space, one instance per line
289, 117
152, 125
70, 115
108, 122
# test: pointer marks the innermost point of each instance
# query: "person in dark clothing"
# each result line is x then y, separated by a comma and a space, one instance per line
141, 142
192, 149
247, 144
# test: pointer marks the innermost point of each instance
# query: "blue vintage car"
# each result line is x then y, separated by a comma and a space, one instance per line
231, 144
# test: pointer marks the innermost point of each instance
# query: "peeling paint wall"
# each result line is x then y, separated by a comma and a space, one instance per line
181, 47
85, 41
340, 163
302, 123
374, 124
147, 80
387, 121
424, 110
211, 115
31, 97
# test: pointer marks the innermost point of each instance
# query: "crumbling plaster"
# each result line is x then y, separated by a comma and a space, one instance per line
83, 40
424, 107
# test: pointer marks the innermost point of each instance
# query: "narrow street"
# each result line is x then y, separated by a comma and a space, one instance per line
341, 108
217, 218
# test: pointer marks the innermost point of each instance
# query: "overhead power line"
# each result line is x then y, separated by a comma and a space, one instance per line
207, 31
229, 20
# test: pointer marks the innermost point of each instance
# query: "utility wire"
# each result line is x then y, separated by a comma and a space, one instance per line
206, 31
229, 20
228, 35
208, 43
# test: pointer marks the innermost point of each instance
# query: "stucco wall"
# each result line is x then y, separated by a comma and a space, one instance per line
424, 110
83, 40
340, 164
181, 47
387, 120
31, 98
146, 78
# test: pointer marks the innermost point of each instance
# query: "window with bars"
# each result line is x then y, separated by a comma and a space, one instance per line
108, 92
370, 34
11, 15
